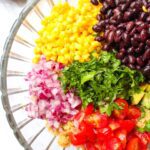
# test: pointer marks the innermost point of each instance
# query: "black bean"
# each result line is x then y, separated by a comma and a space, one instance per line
106, 47
109, 13
132, 5
134, 43
117, 38
126, 38
111, 3
138, 22
137, 37
112, 27
119, 18
131, 50
101, 24
106, 34
142, 26
127, 15
120, 55
94, 2
99, 17
123, 7
138, 50
125, 60
146, 55
131, 59
131, 66
148, 63
138, 6
122, 1
128, 2
138, 67
126, 28
143, 16
111, 36
140, 61
99, 38
148, 19
122, 44
148, 42
146, 70
148, 31
116, 11
132, 32
117, 2
123, 50
129, 26
122, 26
143, 35
145, 2
97, 28
106, 21
141, 46
104, 8
113, 21
146, 47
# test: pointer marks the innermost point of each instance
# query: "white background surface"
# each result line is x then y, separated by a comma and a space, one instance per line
9, 11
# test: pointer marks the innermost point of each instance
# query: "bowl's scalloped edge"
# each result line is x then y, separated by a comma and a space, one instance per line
3, 75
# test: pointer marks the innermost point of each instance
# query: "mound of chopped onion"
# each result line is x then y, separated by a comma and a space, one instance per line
49, 100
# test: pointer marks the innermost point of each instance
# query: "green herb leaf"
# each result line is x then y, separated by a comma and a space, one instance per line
147, 126
101, 79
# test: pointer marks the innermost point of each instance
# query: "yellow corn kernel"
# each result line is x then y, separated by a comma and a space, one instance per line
144, 9
60, 58
81, 60
85, 56
37, 51
67, 33
36, 59
53, 58
63, 51
77, 57
96, 55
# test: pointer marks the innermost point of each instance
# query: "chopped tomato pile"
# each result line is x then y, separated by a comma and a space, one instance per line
97, 131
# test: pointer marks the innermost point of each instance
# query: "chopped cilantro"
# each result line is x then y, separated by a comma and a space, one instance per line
101, 80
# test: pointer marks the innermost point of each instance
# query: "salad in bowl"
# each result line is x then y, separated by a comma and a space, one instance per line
90, 78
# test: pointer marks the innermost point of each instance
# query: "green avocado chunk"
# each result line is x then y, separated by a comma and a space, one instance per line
137, 97
146, 100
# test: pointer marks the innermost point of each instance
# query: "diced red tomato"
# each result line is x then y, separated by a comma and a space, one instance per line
90, 146
97, 120
133, 144
77, 138
88, 130
148, 134
122, 135
114, 144
121, 113
97, 131
113, 124
128, 125
100, 146
89, 109
144, 138
104, 134
90, 134
134, 112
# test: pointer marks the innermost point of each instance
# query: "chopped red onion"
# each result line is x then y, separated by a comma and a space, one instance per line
50, 101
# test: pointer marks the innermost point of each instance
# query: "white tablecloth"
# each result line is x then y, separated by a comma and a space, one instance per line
9, 11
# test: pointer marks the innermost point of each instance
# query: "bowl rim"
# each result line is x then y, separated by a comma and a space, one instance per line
3, 73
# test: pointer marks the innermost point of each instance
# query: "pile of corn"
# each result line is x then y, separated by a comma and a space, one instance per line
67, 34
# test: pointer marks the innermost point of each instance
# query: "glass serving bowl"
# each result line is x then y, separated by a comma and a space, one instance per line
15, 63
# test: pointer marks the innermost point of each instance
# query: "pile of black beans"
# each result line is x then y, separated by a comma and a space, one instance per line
126, 27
